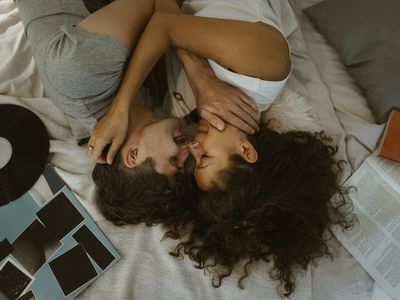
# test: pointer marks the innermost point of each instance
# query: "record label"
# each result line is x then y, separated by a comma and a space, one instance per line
5, 152
24, 147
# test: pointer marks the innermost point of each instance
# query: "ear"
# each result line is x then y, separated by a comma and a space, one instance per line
249, 154
131, 158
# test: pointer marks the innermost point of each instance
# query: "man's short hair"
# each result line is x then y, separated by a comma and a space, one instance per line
132, 195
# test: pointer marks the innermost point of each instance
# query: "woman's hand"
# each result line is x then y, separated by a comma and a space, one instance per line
219, 102
111, 129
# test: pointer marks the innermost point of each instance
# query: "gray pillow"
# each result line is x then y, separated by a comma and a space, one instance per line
366, 33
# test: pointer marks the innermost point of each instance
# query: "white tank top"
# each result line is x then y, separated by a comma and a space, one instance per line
180, 100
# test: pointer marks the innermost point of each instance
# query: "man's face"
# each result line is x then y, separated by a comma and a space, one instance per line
164, 142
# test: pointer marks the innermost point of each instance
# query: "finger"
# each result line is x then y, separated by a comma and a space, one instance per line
113, 151
249, 110
244, 115
238, 122
101, 160
249, 101
91, 142
213, 119
97, 151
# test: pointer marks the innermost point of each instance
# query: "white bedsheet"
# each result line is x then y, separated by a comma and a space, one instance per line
146, 271
18, 73
345, 278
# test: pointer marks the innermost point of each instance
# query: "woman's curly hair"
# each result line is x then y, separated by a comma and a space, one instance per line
279, 209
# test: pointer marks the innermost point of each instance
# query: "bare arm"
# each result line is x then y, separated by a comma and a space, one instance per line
248, 48
216, 101
251, 49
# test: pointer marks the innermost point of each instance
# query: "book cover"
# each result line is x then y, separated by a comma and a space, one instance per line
50, 248
390, 143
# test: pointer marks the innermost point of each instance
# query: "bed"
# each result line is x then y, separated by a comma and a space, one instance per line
146, 271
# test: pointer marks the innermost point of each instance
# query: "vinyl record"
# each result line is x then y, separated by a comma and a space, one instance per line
27, 135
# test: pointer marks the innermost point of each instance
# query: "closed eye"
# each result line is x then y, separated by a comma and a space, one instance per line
173, 160
204, 159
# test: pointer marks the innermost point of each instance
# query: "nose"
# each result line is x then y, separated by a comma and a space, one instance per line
197, 151
183, 154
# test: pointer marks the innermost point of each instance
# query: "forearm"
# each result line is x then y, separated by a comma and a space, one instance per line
131, 83
247, 48
197, 69
152, 45
170, 6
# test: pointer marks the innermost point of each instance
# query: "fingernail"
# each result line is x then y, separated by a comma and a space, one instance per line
195, 143
252, 131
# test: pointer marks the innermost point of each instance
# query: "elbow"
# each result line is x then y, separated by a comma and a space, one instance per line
160, 23
274, 54
283, 66
277, 65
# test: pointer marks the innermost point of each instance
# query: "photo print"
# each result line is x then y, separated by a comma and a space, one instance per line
5, 249
30, 246
28, 296
97, 251
60, 216
73, 269
13, 279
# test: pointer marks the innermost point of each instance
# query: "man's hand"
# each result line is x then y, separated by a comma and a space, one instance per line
219, 102
111, 129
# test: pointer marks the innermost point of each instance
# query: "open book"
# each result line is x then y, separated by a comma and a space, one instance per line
375, 239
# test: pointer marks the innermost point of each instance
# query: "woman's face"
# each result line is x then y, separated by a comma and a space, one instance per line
213, 149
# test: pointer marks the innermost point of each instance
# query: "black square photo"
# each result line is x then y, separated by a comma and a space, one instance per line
94, 247
28, 296
60, 216
13, 280
5, 249
29, 247
73, 269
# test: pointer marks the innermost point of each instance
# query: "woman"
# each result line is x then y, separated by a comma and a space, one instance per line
269, 196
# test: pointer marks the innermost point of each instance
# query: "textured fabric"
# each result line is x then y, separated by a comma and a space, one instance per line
81, 71
366, 34
181, 100
18, 73
143, 254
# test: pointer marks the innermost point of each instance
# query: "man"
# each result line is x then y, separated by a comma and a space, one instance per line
81, 59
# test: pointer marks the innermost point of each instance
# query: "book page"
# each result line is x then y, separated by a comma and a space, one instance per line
388, 169
375, 239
